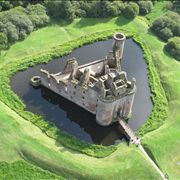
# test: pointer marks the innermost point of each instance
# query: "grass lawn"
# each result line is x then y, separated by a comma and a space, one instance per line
20, 139
157, 11
55, 34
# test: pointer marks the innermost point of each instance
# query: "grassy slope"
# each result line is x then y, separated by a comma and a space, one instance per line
53, 35
21, 139
19, 169
159, 10
162, 142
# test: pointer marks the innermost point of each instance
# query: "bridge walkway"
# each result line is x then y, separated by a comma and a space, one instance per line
133, 138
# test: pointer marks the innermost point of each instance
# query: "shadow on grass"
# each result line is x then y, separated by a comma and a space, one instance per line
121, 21
59, 22
150, 154
169, 55
84, 22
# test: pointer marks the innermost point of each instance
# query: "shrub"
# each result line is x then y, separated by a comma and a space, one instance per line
131, 10
145, 7
173, 47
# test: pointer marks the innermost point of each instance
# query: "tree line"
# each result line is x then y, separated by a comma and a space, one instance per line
69, 10
19, 18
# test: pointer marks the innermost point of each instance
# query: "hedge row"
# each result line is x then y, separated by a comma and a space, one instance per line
158, 97
67, 140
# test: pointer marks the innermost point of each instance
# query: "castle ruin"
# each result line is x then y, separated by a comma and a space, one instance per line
101, 87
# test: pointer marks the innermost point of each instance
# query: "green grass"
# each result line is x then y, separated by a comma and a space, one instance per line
164, 142
17, 136
28, 142
53, 35
158, 10
23, 170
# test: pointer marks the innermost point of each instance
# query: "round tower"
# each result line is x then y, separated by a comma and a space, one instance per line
118, 46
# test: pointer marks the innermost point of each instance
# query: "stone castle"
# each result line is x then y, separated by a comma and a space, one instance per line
100, 87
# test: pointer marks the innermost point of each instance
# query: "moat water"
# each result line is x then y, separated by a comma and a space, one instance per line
73, 119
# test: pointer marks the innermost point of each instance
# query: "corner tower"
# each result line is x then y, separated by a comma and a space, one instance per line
118, 48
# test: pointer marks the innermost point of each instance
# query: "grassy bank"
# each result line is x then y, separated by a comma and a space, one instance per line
23, 170
20, 139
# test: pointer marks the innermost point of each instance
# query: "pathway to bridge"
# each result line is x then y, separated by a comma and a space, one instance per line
134, 139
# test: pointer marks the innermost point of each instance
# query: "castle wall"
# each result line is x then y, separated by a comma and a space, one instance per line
84, 98
106, 110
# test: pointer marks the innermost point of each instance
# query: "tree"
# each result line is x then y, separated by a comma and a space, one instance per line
15, 24
167, 26
11, 32
69, 12
5, 5
173, 47
145, 7
119, 6
79, 7
131, 10
165, 33
94, 10
37, 15
21, 21
176, 6
60, 9
3, 41
110, 8
53, 8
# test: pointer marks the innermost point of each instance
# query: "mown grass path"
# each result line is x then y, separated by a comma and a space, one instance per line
20, 139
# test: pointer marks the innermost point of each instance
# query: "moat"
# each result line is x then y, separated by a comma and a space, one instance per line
70, 117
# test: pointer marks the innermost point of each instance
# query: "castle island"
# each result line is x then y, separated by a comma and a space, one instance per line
101, 87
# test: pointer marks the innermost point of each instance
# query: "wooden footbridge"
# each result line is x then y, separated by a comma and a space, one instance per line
129, 133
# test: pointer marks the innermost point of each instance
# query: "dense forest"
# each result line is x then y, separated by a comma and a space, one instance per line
20, 18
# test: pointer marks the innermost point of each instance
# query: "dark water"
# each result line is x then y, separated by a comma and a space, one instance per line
70, 117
